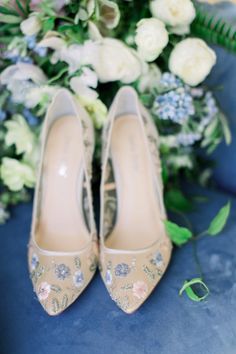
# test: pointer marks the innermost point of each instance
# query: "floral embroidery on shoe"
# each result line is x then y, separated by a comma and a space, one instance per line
108, 277
34, 261
122, 270
140, 289
78, 279
62, 271
157, 259
44, 291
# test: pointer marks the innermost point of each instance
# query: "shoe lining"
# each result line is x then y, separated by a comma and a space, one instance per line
138, 221
62, 226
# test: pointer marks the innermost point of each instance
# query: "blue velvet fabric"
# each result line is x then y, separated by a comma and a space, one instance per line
165, 324
224, 75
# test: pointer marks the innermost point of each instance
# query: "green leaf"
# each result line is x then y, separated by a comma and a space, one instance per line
226, 129
176, 200
10, 19
192, 294
213, 29
178, 235
7, 11
48, 24
218, 223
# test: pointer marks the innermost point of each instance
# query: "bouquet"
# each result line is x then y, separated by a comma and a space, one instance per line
92, 47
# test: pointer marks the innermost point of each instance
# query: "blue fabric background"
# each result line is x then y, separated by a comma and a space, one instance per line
166, 323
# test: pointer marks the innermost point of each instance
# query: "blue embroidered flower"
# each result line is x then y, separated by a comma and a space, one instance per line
157, 259
34, 261
62, 271
78, 279
108, 277
122, 270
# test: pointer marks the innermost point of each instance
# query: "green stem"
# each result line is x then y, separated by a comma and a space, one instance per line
58, 76
196, 258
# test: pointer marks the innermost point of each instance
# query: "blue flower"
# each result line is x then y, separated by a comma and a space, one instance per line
78, 279
176, 105
31, 119
187, 139
41, 51
62, 271
169, 81
3, 115
31, 41
122, 270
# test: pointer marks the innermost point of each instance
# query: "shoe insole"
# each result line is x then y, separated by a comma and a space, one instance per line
138, 221
61, 225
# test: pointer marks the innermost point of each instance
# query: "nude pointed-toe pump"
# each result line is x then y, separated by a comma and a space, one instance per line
135, 250
63, 244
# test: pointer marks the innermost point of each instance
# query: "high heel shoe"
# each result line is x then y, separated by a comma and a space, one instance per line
135, 250
63, 244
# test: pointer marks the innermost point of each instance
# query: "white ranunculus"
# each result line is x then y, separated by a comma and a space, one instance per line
150, 78
151, 38
192, 60
173, 12
31, 26
113, 61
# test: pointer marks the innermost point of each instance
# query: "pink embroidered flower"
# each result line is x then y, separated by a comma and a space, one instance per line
140, 289
44, 290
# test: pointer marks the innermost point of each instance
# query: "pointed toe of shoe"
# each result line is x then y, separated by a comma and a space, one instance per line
58, 280
131, 277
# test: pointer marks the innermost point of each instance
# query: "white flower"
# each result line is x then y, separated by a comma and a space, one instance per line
109, 13
16, 174
150, 78
113, 61
20, 78
40, 95
74, 55
192, 60
82, 85
96, 109
151, 38
31, 26
174, 13
19, 133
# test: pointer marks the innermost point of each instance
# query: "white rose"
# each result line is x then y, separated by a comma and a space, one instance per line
31, 26
173, 12
113, 61
151, 38
192, 60
150, 79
